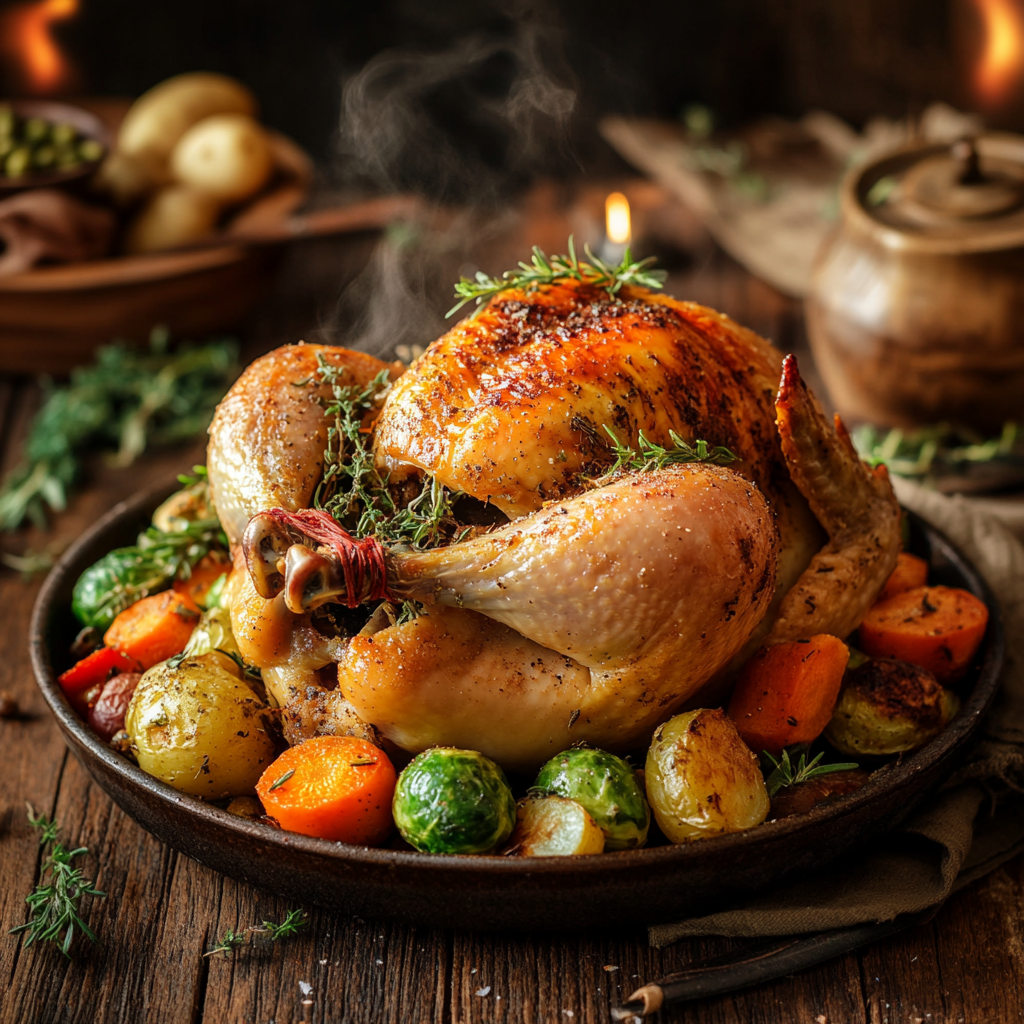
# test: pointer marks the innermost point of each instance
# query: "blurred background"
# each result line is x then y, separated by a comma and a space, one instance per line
418, 143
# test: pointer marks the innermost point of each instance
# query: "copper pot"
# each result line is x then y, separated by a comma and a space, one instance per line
916, 309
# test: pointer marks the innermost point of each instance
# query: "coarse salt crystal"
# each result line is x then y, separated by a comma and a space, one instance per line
485, 991
305, 988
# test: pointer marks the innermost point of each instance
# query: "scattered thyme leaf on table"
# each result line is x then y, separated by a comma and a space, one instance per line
290, 926
785, 774
53, 904
230, 942
543, 269
124, 401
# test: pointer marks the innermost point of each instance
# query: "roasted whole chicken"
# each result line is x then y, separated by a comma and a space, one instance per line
606, 600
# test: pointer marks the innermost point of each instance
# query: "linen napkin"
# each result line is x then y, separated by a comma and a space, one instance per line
970, 827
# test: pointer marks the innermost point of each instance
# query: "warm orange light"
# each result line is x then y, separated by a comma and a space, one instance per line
616, 218
25, 35
1003, 57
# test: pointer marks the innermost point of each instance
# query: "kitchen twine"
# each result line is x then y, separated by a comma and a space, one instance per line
971, 826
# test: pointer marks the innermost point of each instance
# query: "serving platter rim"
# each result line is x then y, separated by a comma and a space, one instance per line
894, 775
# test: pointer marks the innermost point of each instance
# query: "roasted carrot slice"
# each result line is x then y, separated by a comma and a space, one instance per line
91, 671
334, 787
205, 573
937, 628
910, 572
155, 628
786, 693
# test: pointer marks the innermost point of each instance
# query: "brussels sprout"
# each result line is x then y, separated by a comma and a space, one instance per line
198, 728
607, 787
889, 707
553, 826
91, 599
702, 779
453, 801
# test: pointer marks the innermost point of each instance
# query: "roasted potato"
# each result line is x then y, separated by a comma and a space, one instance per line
197, 727
176, 215
889, 707
553, 826
227, 156
128, 180
158, 119
702, 779
805, 796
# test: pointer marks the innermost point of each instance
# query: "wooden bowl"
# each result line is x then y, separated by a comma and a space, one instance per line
628, 887
87, 124
52, 318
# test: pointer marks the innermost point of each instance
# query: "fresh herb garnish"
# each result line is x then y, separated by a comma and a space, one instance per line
785, 774
295, 920
929, 453
647, 455
543, 269
230, 942
355, 493
126, 400
125, 575
53, 904
278, 783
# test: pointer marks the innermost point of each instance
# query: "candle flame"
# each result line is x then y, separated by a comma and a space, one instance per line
25, 35
1003, 57
616, 218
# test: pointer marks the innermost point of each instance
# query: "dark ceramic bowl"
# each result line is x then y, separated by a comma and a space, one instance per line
629, 887
88, 125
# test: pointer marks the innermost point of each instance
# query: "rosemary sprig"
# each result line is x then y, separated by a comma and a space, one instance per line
53, 904
125, 575
647, 455
290, 926
126, 400
543, 269
785, 774
228, 944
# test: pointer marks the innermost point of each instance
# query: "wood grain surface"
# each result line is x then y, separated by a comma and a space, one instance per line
164, 911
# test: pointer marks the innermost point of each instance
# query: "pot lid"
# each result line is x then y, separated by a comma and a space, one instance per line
964, 197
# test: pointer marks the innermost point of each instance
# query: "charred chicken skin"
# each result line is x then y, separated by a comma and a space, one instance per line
604, 604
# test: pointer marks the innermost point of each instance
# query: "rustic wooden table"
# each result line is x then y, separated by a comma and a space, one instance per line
164, 911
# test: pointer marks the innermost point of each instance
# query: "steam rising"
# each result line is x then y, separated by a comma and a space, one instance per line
466, 128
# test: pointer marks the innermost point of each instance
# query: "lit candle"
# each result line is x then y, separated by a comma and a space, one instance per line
617, 228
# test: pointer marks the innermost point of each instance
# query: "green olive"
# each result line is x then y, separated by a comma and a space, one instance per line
90, 150
453, 801
607, 787
18, 162
36, 129
63, 134
44, 157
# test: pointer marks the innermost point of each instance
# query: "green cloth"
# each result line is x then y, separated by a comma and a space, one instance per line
970, 827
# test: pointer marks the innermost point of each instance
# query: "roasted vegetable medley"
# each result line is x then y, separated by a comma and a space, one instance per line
165, 684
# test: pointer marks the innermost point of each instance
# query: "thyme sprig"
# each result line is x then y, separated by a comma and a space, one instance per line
276, 931
543, 269
53, 904
647, 455
229, 943
355, 492
786, 774
290, 926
